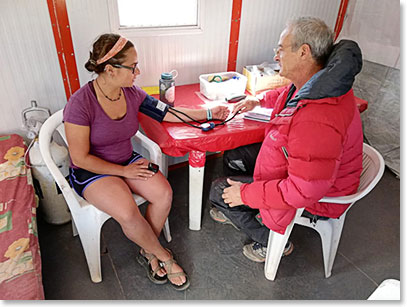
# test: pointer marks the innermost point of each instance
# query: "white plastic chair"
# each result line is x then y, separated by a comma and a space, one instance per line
87, 220
330, 230
388, 290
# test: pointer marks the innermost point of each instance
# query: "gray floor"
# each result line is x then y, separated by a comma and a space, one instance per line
368, 253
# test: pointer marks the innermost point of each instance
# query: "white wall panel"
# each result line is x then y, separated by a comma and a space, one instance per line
375, 25
88, 19
190, 54
28, 61
263, 20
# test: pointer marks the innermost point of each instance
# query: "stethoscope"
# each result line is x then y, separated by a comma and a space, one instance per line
205, 125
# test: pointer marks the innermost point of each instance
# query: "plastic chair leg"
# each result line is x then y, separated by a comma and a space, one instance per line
166, 230
91, 247
74, 229
324, 229
330, 232
275, 249
337, 227
89, 233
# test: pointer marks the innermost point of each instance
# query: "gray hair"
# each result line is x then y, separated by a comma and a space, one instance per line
315, 33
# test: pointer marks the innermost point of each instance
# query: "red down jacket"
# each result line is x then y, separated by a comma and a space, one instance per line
313, 145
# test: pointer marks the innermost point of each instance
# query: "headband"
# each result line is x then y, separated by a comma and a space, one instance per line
115, 50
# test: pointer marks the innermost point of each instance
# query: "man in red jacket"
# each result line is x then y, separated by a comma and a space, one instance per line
313, 143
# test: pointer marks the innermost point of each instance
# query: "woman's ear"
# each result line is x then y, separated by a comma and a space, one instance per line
109, 70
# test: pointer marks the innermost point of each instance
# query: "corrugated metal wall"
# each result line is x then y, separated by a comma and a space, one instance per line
263, 20
28, 61
206, 52
190, 54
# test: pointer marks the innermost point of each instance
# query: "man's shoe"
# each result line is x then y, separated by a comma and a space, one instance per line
219, 217
257, 252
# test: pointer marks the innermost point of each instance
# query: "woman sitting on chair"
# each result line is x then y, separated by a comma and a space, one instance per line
100, 119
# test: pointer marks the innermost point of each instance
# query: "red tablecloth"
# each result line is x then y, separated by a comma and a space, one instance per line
178, 139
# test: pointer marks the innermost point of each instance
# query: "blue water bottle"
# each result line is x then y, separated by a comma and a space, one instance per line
167, 87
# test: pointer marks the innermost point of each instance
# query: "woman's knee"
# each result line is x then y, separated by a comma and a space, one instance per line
156, 190
129, 217
163, 195
166, 195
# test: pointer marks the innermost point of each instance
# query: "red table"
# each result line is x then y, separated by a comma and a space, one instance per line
178, 139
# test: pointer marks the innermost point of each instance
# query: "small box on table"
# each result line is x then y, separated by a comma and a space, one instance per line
263, 77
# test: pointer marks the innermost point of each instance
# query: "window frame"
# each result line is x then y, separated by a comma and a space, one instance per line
115, 27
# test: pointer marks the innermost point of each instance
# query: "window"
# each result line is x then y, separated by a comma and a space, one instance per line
139, 16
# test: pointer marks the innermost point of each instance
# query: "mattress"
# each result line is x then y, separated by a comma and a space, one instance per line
20, 261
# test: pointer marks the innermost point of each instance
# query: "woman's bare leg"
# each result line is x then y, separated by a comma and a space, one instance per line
112, 195
157, 191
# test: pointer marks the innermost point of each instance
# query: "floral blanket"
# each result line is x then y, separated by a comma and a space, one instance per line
20, 261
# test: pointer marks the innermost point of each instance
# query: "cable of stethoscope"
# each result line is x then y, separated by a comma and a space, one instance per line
186, 115
183, 120
225, 121
204, 126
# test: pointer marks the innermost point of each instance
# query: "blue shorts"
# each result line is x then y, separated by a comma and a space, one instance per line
80, 178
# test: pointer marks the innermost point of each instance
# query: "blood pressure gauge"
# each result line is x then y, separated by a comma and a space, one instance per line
207, 126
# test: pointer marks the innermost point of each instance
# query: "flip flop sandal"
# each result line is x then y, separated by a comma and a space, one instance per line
168, 267
145, 261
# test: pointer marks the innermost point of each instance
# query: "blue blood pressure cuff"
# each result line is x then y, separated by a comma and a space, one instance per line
154, 108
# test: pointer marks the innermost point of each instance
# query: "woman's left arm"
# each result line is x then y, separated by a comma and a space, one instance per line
218, 112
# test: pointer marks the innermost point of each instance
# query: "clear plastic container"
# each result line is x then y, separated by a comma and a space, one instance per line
220, 85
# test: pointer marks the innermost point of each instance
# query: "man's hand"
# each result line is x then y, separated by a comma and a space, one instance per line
231, 195
246, 105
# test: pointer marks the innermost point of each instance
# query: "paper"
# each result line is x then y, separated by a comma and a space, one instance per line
259, 114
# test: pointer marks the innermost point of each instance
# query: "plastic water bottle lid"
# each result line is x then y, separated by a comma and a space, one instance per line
166, 76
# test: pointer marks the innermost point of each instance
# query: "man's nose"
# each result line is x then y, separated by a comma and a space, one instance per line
276, 58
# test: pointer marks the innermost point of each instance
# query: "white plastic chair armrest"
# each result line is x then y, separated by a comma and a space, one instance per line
340, 199
153, 149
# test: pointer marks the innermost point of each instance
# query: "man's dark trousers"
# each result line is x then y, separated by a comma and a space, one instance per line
240, 161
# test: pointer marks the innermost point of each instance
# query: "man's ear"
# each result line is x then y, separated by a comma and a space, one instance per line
305, 51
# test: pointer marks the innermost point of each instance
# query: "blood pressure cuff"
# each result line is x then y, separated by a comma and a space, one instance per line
154, 108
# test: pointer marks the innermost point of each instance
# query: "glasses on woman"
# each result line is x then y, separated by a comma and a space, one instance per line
132, 68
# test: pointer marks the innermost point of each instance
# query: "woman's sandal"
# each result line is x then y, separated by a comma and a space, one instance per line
145, 260
168, 267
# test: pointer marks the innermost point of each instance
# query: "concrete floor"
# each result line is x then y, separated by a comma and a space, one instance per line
368, 253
